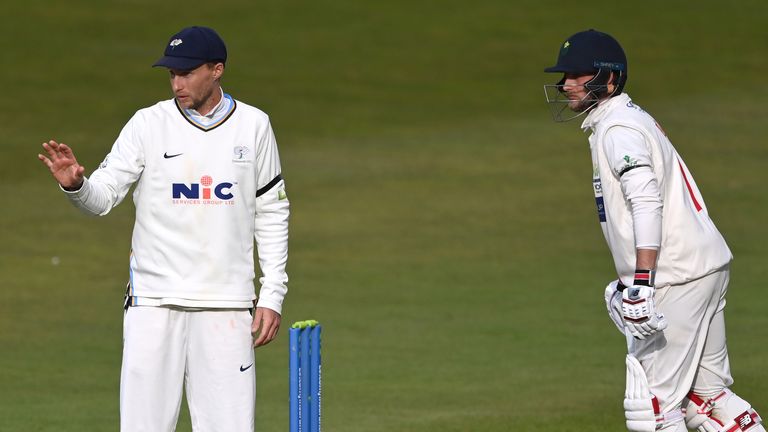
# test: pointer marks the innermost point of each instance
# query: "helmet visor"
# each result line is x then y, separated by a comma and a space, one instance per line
565, 106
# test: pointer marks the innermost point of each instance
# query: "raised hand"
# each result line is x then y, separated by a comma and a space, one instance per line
63, 165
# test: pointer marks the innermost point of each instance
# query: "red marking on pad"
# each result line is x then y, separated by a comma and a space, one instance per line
655, 402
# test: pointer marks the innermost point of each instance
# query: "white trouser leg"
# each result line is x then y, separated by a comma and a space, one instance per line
153, 369
671, 358
221, 386
714, 373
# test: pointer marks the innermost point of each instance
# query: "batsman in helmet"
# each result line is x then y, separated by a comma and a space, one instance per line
672, 263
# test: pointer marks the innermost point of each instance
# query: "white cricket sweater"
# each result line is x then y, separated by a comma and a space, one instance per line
203, 194
691, 245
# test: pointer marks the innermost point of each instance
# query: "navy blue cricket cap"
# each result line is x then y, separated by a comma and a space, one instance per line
588, 51
192, 47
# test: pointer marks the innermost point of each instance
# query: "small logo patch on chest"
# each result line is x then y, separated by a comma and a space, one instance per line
240, 153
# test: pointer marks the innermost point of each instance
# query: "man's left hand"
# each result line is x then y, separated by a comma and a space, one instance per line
266, 323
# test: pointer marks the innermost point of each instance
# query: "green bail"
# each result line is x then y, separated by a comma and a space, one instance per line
304, 324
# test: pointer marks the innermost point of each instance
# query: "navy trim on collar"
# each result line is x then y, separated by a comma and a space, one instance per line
213, 126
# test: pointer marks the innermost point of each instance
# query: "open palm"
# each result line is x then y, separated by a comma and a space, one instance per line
63, 164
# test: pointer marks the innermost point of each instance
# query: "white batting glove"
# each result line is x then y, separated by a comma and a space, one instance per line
639, 311
613, 304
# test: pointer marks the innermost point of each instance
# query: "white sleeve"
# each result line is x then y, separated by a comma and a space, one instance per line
626, 149
272, 211
109, 184
630, 160
642, 191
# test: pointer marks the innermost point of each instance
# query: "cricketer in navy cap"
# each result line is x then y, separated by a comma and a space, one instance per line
191, 47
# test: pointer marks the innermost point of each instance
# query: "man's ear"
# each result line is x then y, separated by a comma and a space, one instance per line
218, 70
612, 82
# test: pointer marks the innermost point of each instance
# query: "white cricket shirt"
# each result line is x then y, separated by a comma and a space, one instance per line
691, 245
204, 193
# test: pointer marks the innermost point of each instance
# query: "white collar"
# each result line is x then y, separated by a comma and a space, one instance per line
601, 110
218, 115
216, 110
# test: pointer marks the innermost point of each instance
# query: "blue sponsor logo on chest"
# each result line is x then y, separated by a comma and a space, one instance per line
598, 188
204, 190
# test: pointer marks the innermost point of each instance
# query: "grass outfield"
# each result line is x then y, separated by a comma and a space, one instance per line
443, 228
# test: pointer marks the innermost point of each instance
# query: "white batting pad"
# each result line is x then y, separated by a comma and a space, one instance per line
724, 412
641, 408
638, 400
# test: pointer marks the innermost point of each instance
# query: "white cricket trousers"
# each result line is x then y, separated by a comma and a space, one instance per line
691, 354
207, 351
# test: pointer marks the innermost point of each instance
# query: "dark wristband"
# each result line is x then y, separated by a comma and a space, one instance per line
645, 277
73, 189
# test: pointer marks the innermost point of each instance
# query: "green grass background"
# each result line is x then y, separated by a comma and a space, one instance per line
443, 228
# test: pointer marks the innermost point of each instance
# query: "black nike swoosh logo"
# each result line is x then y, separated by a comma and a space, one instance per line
167, 156
243, 369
